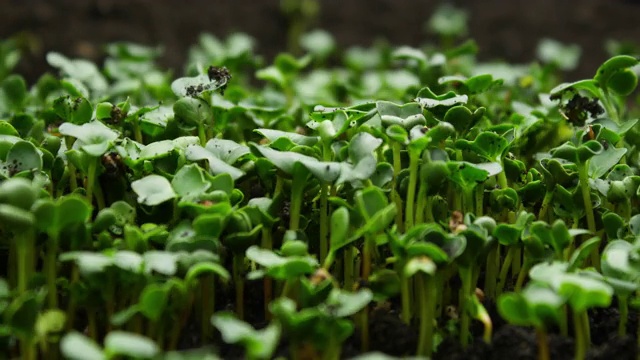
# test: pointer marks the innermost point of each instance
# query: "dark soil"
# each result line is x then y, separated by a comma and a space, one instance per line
388, 334
519, 343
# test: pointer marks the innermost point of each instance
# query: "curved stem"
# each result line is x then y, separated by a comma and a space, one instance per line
52, 262
202, 134
348, 268
479, 210
91, 178
25, 243
543, 344
73, 181
208, 307
522, 275
421, 203
502, 278
297, 192
623, 309
546, 202
427, 293
414, 159
324, 221
397, 167
99, 196
609, 106
465, 321
267, 243
405, 297
491, 272
588, 208
137, 133
238, 278
580, 336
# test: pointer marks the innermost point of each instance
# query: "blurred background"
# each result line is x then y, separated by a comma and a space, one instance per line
504, 30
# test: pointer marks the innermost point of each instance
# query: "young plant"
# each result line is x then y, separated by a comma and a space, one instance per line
258, 344
536, 305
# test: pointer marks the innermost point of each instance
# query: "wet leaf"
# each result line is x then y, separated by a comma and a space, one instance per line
153, 190
130, 344
76, 346
94, 137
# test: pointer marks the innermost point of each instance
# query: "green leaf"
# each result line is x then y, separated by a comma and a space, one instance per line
612, 223
363, 145
370, 201
488, 145
161, 262
15, 218
623, 82
88, 262
343, 303
601, 163
407, 115
94, 137
514, 308
189, 181
13, 94
22, 156
21, 314
76, 346
192, 111
466, 175
447, 100
258, 344
227, 150
153, 190
286, 161
280, 267
616, 260
295, 138
471, 86
577, 155
53, 217
409, 53
548, 272
583, 252
584, 292
153, 300
153, 121
319, 43
339, 228
130, 344
611, 67
207, 267
421, 264
216, 165
588, 85
565, 57
83, 71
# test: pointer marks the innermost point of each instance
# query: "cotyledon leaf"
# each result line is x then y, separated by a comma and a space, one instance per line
286, 160
216, 166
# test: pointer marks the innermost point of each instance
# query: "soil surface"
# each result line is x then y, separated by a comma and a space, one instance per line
508, 30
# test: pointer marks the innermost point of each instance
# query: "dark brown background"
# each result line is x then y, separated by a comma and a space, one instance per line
506, 29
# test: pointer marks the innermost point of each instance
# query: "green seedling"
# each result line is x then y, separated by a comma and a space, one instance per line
324, 327
258, 344
131, 198
117, 343
537, 306
619, 272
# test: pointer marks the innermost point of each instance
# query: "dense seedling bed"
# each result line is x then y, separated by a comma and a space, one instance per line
404, 202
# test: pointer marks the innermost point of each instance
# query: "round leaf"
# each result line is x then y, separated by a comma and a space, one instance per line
153, 190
